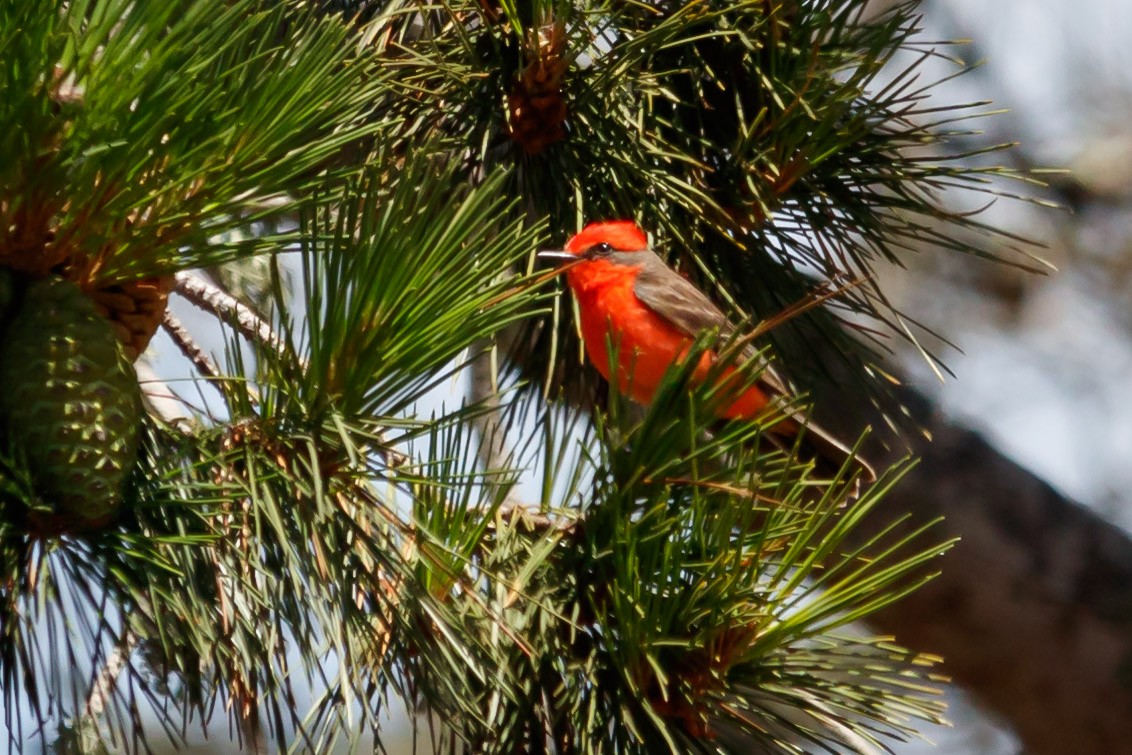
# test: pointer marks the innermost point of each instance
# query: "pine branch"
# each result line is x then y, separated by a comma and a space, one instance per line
194, 353
227, 308
111, 667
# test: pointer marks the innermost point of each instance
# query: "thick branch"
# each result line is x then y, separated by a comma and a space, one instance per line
1033, 609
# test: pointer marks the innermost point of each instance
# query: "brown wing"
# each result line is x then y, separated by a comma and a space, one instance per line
672, 297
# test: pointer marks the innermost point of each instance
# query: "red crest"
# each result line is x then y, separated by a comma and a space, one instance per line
622, 235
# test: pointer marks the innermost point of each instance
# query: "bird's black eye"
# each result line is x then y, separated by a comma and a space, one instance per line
599, 250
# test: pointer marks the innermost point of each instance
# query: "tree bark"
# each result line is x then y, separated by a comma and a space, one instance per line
1033, 609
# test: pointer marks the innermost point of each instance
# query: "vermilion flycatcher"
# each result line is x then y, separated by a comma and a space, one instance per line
628, 296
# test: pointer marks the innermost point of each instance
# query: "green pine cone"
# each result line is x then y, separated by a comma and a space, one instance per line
70, 400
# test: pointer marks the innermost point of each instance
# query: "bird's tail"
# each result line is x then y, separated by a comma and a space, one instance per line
832, 458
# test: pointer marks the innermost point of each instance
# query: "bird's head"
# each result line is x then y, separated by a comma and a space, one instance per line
590, 247
604, 237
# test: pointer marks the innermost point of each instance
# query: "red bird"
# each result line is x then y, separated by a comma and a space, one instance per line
628, 296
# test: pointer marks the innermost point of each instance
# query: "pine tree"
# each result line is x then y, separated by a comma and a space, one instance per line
677, 585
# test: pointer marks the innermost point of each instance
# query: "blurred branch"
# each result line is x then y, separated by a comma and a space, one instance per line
1033, 609
103, 685
494, 451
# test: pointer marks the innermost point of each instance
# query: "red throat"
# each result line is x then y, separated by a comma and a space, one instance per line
622, 235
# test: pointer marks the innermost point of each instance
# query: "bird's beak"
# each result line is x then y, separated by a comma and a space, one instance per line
557, 256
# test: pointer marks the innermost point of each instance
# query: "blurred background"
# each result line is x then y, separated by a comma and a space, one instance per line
1045, 361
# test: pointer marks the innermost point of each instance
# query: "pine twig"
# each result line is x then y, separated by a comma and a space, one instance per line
189, 347
538, 520
211, 298
102, 688
86, 734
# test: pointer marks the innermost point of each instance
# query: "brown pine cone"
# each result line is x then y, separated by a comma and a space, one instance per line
135, 310
536, 108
